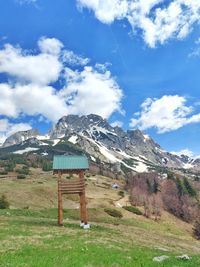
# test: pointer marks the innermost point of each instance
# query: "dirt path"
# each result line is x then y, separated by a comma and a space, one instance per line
122, 202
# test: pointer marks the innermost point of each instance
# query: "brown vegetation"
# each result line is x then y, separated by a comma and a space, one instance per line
176, 195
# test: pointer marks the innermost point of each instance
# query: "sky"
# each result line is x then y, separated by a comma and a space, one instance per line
134, 62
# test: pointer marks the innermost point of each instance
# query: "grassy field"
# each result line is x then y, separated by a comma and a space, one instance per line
29, 235
32, 238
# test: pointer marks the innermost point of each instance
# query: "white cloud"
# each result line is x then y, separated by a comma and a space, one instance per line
31, 99
50, 46
159, 20
89, 91
86, 91
117, 123
106, 10
102, 67
166, 114
185, 151
42, 68
72, 59
7, 128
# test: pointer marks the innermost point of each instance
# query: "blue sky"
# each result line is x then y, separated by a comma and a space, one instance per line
134, 62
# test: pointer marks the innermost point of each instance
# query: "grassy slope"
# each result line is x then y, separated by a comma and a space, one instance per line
30, 237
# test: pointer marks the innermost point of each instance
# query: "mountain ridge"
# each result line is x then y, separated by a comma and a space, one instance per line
133, 149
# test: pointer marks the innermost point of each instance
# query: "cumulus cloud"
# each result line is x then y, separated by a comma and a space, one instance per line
159, 20
50, 46
42, 68
106, 10
7, 128
31, 92
31, 99
89, 91
166, 114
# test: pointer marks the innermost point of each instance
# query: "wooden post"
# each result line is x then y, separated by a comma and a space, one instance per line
60, 209
85, 216
83, 209
81, 178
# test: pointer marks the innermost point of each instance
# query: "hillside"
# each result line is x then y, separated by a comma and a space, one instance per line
153, 180
30, 227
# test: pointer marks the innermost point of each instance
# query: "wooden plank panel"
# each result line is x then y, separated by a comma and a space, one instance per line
71, 184
70, 192
72, 189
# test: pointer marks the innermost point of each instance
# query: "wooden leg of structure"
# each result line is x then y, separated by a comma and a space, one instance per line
60, 208
85, 216
81, 209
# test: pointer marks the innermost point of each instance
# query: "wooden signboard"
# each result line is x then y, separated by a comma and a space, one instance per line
71, 165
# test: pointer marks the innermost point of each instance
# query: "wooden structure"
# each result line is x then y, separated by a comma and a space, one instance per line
71, 165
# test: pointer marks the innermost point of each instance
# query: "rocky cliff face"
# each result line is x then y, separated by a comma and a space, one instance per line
20, 137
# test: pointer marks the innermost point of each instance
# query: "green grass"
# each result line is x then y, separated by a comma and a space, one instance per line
33, 239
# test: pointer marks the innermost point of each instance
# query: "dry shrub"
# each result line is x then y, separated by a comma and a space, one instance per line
184, 206
144, 192
196, 229
173, 195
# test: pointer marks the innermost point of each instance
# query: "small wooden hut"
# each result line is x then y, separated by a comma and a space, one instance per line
71, 165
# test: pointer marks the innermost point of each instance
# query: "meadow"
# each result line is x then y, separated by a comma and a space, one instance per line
30, 236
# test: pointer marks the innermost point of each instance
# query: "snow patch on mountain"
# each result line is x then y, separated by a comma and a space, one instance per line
146, 137
73, 139
188, 166
93, 158
43, 137
103, 130
141, 167
123, 154
27, 149
55, 142
107, 154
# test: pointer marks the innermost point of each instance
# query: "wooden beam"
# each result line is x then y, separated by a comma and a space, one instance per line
71, 183
81, 188
71, 192
76, 171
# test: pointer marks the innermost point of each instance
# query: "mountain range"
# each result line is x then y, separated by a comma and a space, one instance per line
131, 150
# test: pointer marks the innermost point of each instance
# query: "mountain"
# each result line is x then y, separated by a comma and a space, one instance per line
91, 134
20, 137
96, 136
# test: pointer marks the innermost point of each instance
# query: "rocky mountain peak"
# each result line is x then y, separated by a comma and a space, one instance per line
74, 123
20, 137
136, 135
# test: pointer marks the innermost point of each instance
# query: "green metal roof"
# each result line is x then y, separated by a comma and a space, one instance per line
70, 163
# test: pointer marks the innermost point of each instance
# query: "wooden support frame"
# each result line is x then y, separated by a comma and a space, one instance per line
77, 187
